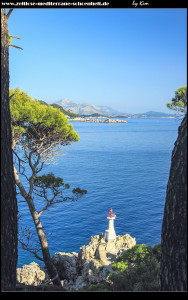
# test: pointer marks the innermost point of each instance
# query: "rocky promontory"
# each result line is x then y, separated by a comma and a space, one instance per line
91, 265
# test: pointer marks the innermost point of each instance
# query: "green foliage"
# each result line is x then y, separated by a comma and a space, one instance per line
78, 192
21, 106
48, 181
133, 255
157, 251
137, 269
142, 276
42, 102
18, 131
120, 266
38, 122
179, 102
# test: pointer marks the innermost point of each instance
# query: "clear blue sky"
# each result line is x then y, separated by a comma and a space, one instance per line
130, 59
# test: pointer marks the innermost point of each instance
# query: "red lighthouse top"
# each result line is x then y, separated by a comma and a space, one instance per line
111, 214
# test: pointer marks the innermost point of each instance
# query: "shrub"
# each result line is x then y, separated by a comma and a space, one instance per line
137, 269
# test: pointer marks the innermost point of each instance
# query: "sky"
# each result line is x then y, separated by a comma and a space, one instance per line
132, 60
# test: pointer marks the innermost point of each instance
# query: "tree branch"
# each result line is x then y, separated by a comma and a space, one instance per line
19, 159
16, 37
9, 13
33, 168
46, 283
37, 171
15, 47
49, 203
11, 96
19, 184
52, 145
34, 252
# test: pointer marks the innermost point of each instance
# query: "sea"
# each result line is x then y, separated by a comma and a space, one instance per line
123, 166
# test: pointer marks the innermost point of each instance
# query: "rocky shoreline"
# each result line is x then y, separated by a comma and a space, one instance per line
76, 270
98, 120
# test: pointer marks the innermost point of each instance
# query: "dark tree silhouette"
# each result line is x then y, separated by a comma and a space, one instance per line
8, 192
173, 271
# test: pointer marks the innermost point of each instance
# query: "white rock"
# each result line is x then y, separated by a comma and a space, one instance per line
31, 274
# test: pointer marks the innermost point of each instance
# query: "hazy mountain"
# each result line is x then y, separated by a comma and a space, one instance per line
109, 110
86, 109
152, 114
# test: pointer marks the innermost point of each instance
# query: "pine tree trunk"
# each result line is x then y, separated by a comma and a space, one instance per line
51, 269
173, 273
8, 192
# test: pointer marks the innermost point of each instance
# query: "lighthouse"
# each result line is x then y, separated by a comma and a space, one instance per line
110, 233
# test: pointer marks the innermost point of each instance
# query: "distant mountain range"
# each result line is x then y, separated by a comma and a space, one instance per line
88, 109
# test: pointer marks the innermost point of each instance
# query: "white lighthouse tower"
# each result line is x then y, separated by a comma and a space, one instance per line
110, 233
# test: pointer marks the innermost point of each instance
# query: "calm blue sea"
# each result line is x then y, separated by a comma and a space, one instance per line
123, 166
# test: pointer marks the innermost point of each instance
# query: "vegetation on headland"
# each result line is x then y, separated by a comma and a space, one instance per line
137, 269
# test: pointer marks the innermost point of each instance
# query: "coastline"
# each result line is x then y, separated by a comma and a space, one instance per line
98, 120
92, 264
109, 120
